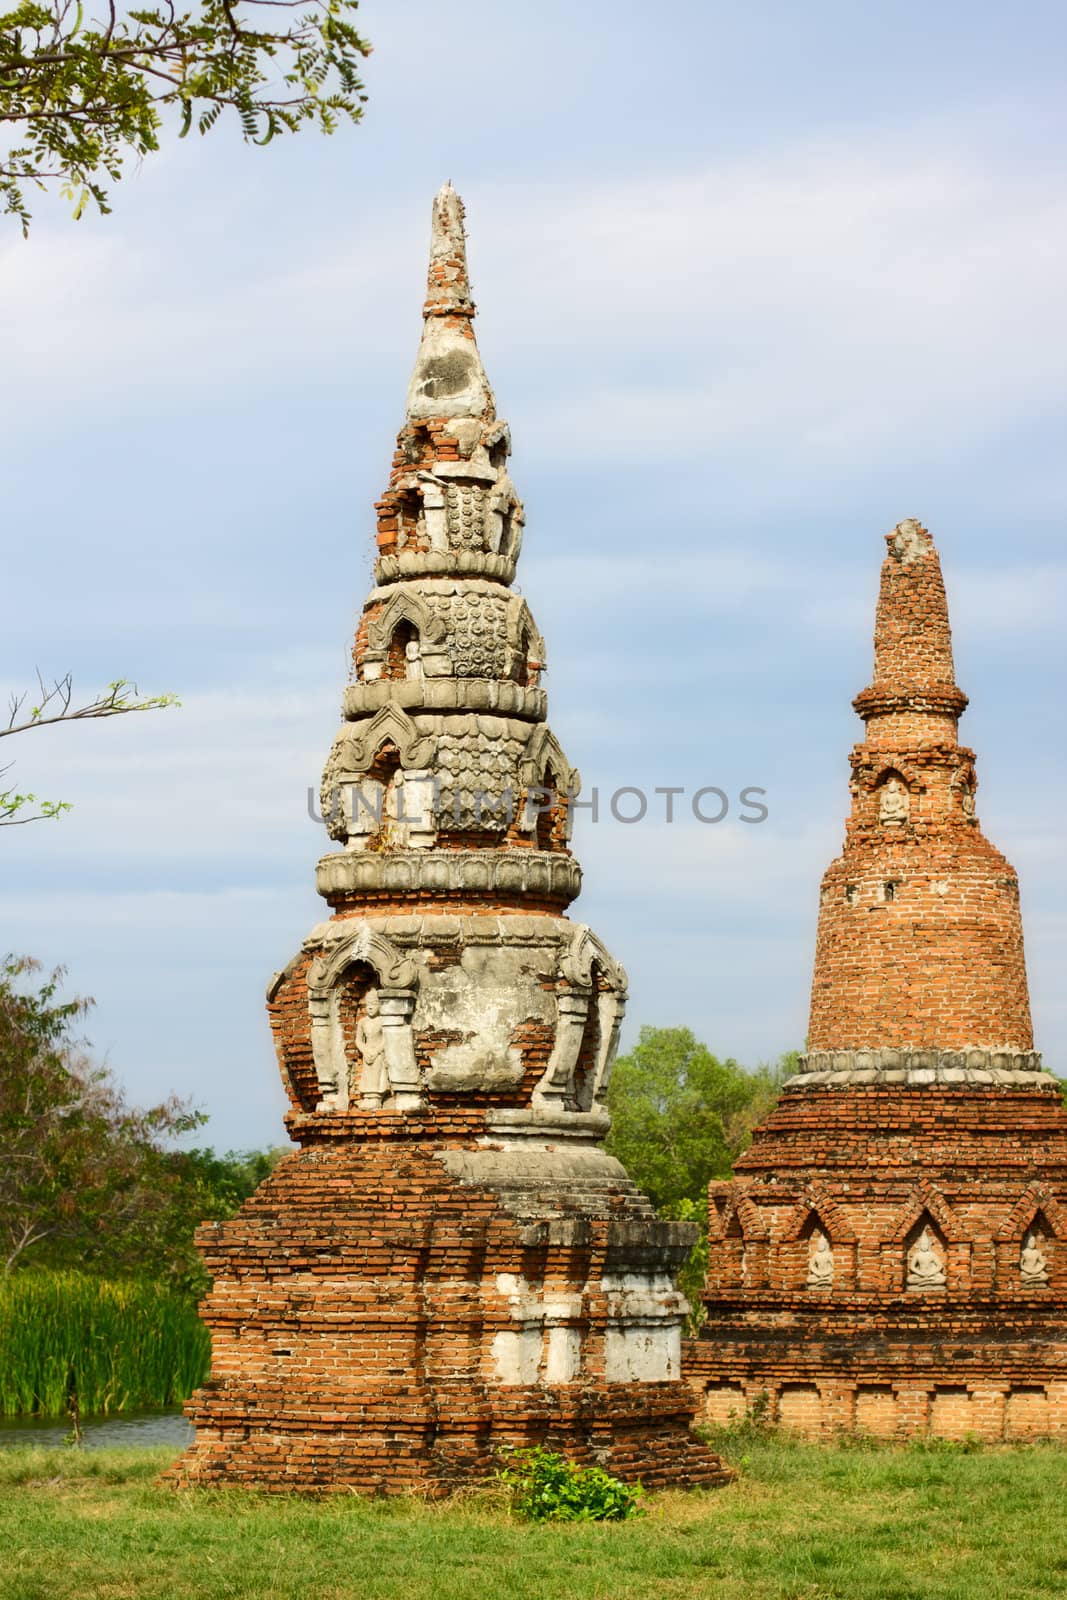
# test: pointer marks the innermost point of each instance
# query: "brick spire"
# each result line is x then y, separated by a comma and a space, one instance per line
919, 961
883, 1259
912, 637
448, 289
914, 696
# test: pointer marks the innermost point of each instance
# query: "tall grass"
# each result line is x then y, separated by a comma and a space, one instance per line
108, 1344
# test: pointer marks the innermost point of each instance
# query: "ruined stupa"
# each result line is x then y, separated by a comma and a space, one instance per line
892, 1255
450, 1262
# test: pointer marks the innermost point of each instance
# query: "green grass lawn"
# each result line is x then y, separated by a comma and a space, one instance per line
802, 1523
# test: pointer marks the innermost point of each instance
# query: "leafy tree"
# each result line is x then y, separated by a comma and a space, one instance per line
81, 93
85, 1179
680, 1116
56, 704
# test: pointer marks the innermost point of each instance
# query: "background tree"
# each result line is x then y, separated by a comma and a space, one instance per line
679, 1118
82, 93
87, 1180
56, 704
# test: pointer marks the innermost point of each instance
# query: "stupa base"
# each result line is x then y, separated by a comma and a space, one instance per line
390, 1316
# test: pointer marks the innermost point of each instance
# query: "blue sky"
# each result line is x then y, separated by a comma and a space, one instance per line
754, 284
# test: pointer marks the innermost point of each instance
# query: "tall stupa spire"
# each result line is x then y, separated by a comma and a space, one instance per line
912, 637
451, 1262
449, 379
891, 1257
448, 289
920, 942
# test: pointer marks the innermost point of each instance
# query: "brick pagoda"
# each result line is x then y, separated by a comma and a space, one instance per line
892, 1255
450, 1262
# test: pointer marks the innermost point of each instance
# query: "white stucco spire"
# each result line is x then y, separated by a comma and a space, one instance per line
449, 379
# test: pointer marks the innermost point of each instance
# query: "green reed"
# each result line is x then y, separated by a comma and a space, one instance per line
103, 1344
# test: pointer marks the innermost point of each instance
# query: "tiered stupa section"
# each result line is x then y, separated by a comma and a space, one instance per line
892, 1256
450, 1263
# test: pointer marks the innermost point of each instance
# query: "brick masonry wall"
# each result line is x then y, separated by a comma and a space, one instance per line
871, 1168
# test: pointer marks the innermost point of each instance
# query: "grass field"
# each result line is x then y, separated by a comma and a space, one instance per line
802, 1523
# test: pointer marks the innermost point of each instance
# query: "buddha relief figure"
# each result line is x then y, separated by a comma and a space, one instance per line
413, 659
820, 1261
1033, 1263
964, 787
926, 1266
894, 802
370, 1042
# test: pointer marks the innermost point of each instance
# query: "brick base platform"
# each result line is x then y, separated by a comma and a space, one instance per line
870, 1169
387, 1315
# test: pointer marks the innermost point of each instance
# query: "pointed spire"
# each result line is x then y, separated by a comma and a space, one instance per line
449, 379
448, 289
913, 666
912, 640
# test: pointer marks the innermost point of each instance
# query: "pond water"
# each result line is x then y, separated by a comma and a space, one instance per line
136, 1428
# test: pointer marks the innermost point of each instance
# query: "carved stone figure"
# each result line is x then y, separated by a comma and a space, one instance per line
370, 1042
926, 1266
413, 659
820, 1261
1033, 1263
894, 802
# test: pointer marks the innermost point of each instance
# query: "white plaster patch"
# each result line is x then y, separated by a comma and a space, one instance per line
486, 998
563, 1359
517, 1356
642, 1354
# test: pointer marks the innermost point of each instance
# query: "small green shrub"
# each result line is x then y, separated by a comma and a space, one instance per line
932, 1445
546, 1487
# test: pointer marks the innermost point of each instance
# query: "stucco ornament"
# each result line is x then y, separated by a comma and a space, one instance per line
1033, 1263
820, 1261
926, 1265
894, 802
370, 1042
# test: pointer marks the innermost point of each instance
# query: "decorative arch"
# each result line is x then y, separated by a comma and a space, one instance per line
389, 725
1036, 1198
585, 949
927, 1199
739, 1218
816, 1201
878, 775
583, 1004
406, 606
397, 976
544, 752
395, 970
520, 628
543, 766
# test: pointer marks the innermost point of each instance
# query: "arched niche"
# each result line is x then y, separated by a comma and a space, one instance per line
405, 618
363, 1049
590, 1005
